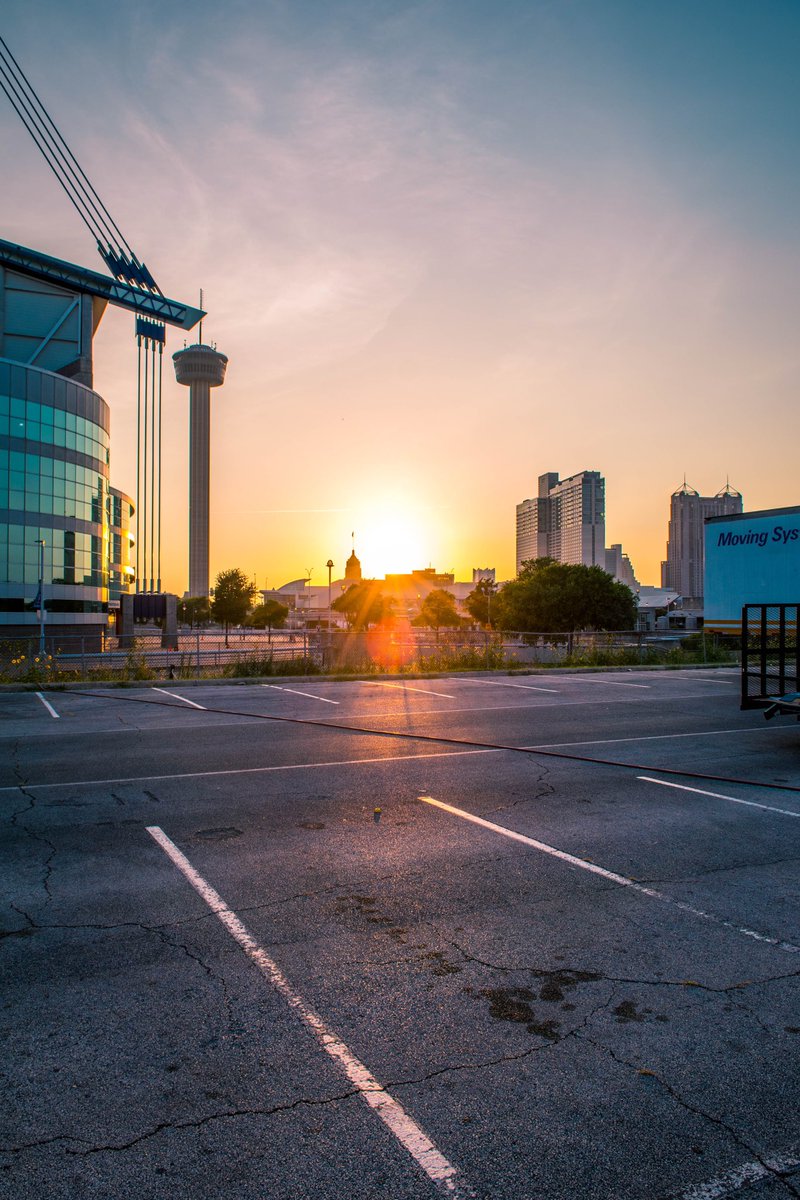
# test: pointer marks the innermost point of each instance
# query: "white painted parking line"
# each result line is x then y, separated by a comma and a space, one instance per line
689, 678
650, 737
308, 695
175, 696
49, 706
526, 687
310, 766
784, 812
612, 876
593, 679
404, 688
405, 1129
733, 1181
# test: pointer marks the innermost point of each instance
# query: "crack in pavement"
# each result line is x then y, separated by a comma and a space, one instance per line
719, 870
17, 822
633, 980
303, 1101
160, 932
696, 1111
542, 788
168, 1126
212, 974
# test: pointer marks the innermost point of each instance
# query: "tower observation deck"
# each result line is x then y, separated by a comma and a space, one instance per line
199, 368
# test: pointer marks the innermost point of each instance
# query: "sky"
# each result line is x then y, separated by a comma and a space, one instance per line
447, 246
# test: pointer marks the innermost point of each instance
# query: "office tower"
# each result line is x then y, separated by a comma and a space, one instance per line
565, 521
682, 572
619, 565
55, 493
199, 368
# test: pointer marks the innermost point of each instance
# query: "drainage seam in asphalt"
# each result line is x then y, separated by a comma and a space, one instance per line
448, 741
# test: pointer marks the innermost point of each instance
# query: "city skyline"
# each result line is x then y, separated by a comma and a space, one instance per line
443, 249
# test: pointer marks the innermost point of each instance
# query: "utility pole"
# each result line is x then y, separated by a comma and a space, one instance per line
40, 542
329, 565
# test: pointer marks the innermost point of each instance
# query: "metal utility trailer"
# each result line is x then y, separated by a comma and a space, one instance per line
771, 659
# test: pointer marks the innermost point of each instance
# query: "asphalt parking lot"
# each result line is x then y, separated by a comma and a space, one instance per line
529, 938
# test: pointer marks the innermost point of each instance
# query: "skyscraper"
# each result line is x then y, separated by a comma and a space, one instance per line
565, 521
55, 496
682, 572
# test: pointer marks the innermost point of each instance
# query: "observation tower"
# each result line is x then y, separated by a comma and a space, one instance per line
199, 368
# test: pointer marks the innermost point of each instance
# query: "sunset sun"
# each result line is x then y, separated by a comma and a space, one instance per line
391, 541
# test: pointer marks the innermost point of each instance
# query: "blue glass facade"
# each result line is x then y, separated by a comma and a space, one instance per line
54, 465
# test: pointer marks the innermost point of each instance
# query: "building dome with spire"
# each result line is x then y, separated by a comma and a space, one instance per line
352, 570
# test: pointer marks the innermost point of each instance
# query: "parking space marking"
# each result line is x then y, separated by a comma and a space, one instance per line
175, 696
308, 695
49, 706
309, 766
650, 737
733, 1181
405, 1129
612, 876
526, 687
404, 688
689, 678
610, 682
785, 812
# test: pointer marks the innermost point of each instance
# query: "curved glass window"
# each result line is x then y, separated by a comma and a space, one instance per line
54, 453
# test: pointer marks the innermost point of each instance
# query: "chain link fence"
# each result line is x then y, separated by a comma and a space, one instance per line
209, 653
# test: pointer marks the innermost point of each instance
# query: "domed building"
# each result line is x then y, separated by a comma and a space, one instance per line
352, 570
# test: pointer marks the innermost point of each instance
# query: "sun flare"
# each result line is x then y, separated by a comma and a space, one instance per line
391, 542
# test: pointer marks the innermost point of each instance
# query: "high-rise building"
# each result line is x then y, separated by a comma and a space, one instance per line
682, 572
200, 368
56, 505
619, 565
565, 521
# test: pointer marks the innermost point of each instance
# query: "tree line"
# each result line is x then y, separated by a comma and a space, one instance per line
231, 604
546, 597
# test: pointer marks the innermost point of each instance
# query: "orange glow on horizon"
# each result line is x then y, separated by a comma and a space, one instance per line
391, 541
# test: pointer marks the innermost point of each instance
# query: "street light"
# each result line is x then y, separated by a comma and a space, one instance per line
40, 542
329, 565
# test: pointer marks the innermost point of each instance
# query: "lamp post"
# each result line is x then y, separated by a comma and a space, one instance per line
329, 565
40, 542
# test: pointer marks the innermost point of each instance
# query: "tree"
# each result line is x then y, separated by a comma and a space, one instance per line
438, 609
362, 605
269, 615
480, 602
194, 610
233, 595
553, 597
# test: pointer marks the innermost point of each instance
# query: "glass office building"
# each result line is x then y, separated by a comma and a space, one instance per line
121, 573
54, 465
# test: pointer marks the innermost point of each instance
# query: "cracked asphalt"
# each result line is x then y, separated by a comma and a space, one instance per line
556, 1033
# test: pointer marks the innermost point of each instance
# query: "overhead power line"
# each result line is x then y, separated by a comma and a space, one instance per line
111, 243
